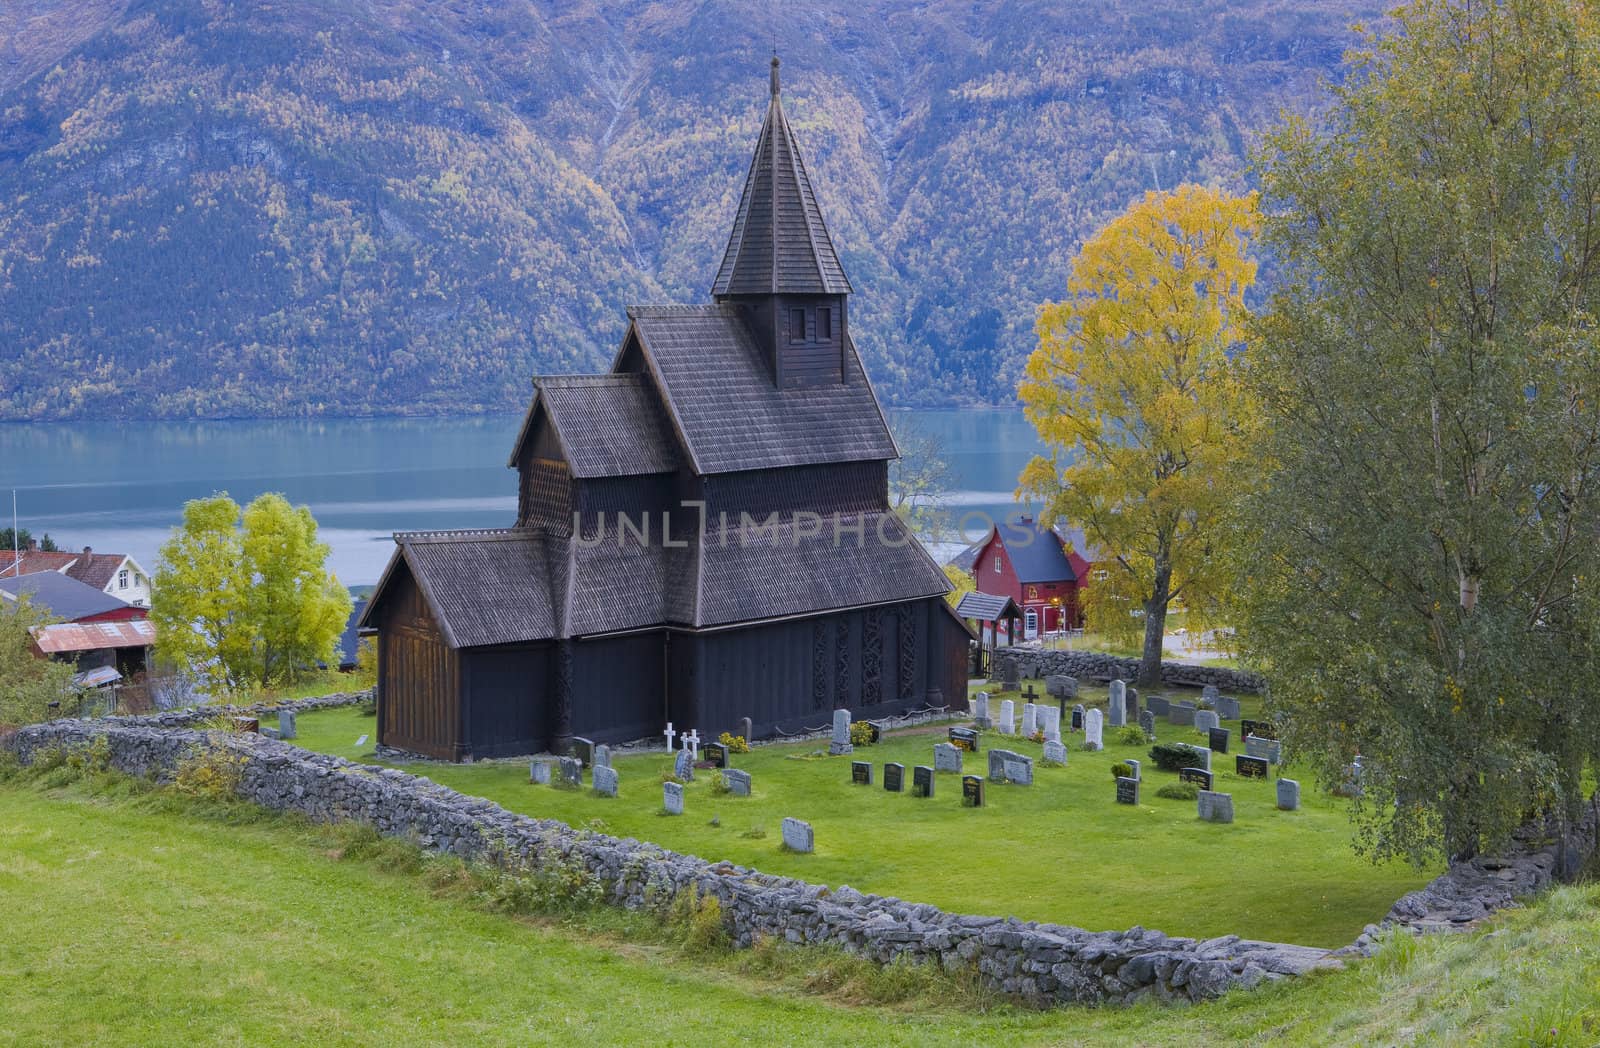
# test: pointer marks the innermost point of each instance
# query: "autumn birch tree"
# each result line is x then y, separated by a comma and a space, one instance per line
1420, 586
1135, 389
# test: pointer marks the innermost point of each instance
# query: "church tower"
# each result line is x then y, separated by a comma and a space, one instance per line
780, 268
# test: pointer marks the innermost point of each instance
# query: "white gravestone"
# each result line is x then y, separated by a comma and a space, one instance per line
1092, 730
1288, 795
797, 836
1119, 703
1055, 752
1007, 724
1205, 720
946, 757
980, 709
605, 780
1030, 719
539, 771
738, 781
1050, 723
841, 733
670, 735
672, 797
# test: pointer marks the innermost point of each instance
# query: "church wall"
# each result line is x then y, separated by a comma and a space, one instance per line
505, 692
617, 687
419, 706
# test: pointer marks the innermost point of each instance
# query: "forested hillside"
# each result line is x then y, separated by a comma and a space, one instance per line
301, 207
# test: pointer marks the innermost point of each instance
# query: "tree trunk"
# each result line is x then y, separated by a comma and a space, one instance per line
1155, 624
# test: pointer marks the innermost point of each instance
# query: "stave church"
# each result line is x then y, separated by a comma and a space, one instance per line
703, 533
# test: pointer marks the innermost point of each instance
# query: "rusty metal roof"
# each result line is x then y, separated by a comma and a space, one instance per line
93, 636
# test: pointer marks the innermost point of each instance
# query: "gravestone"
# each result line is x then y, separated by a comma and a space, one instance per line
1260, 729
1091, 730
1215, 807
980, 709
602, 756
1077, 718
269, 732
539, 771
683, 766
1147, 723
1062, 686
1269, 750
1251, 767
1030, 720
1138, 769
1181, 713
840, 743
797, 836
1119, 704
583, 749
605, 780
1199, 776
286, 725
922, 781
894, 777
972, 791
1205, 720
874, 733
747, 728
1127, 790
1227, 708
1219, 740
1018, 769
861, 773
1007, 724
571, 771
738, 782
997, 764
1288, 795
964, 738
1130, 703
672, 797
1055, 753
1202, 756
1158, 705
1209, 696
946, 757
1012, 679
1050, 722
717, 754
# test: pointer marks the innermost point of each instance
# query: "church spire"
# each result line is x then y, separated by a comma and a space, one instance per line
780, 243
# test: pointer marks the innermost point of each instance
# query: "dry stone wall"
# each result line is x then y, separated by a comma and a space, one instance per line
1034, 663
1043, 964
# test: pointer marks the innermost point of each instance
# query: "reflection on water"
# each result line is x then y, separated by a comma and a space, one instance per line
121, 486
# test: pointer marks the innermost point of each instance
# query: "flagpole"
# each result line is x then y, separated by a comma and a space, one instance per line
16, 537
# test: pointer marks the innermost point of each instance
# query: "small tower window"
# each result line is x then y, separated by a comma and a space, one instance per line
824, 324
797, 325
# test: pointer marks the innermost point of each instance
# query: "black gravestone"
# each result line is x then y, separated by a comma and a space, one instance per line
1252, 767
861, 773
717, 754
972, 791
964, 738
922, 781
874, 733
1219, 740
583, 749
1127, 790
894, 777
1077, 718
1199, 776
1147, 723
1260, 729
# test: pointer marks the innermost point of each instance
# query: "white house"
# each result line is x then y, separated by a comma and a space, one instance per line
115, 573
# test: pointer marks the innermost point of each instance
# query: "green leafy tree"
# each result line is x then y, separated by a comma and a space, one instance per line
1419, 581
19, 539
246, 592
28, 683
1135, 390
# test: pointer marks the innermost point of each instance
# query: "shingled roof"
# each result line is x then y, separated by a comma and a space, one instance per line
731, 417
485, 587
779, 243
608, 425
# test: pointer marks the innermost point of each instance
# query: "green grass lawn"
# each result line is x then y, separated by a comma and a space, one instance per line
135, 918
1061, 850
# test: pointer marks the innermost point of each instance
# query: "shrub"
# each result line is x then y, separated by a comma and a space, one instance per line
735, 743
860, 733
1178, 791
755, 833
1037, 736
720, 785
1132, 735
1122, 770
1172, 756
560, 885
700, 919
211, 774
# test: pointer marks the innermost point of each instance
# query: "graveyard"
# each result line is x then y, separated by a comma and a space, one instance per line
1062, 849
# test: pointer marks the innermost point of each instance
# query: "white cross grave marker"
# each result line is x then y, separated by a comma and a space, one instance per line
669, 733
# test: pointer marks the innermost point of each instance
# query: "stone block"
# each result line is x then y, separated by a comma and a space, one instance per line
1215, 807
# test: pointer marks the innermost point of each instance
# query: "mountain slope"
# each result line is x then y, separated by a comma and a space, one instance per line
214, 207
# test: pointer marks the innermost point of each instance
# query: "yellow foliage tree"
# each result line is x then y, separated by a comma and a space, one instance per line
1135, 389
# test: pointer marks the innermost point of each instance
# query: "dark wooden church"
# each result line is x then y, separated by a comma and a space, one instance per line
702, 535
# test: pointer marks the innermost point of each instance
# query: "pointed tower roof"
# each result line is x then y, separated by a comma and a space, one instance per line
780, 243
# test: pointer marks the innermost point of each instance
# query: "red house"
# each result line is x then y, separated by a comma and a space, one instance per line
1037, 567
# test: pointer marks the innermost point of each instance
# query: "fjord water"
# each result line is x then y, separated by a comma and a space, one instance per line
120, 486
